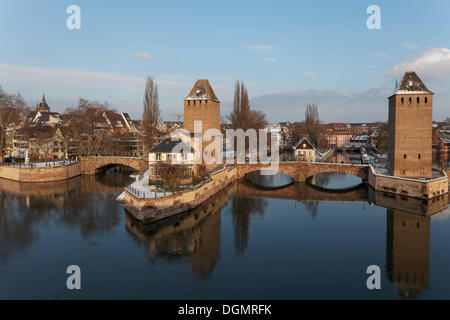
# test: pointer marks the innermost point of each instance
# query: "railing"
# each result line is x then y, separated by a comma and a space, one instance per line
35, 165
143, 194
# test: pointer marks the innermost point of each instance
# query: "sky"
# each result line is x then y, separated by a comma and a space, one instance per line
288, 53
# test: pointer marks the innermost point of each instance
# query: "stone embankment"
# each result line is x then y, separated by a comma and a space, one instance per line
156, 208
40, 173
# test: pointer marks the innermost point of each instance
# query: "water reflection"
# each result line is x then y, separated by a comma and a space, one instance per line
203, 238
23, 206
194, 235
335, 181
408, 252
268, 181
344, 157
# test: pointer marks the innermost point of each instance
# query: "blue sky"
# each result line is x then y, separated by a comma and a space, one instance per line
289, 53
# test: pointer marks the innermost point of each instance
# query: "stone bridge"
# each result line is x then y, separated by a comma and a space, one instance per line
302, 192
300, 171
89, 165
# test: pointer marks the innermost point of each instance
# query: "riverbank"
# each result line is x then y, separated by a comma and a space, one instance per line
40, 173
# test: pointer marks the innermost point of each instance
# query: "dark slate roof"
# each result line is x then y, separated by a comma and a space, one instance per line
202, 90
411, 84
167, 145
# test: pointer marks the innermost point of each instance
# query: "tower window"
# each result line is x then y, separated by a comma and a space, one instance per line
189, 102
426, 100
419, 156
404, 156
194, 102
403, 100
418, 100
410, 100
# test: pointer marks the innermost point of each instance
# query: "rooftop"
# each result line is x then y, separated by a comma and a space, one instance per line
168, 145
202, 90
411, 84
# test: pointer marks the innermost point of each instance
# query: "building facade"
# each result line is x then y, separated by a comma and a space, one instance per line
410, 129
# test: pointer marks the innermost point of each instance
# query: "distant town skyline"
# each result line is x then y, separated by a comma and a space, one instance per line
289, 55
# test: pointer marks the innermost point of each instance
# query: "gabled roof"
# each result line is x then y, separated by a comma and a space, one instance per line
168, 145
411, 84
202, 90
300, 141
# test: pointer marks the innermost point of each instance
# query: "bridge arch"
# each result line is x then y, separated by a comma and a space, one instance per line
89, 165
300, 171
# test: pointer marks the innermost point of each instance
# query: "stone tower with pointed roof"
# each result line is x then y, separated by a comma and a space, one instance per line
410, 129
201, 104
43, 106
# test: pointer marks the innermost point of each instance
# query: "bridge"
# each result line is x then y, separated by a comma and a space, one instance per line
301, 192
90, 165
300, 171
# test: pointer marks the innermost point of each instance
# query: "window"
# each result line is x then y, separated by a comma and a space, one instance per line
403, 100
419, 156
426, 100
422, 170
410, 100
158, 156
418, 100
404, 156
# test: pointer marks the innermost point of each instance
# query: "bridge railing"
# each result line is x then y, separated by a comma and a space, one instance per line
35, 165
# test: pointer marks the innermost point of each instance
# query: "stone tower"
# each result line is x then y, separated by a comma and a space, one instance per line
201, 104
410, 129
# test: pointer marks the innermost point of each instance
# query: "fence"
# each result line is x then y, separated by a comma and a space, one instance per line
52, 164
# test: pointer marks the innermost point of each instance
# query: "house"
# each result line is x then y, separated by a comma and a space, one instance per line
304, 150
43, 116
360, 140
171, 152
338, 135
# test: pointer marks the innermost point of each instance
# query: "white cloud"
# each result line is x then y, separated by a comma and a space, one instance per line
382, 55
410, 45
271, 59
431, 64
142, 55
310, 74
260, 48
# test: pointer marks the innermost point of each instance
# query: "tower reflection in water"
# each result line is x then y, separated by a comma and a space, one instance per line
408, 239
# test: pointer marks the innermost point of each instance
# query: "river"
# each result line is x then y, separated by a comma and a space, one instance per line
298, 242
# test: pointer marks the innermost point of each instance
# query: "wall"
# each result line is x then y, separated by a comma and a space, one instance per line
40, 174
410, 134
158, 208
408, 187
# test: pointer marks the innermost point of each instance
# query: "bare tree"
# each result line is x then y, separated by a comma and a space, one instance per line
12, 111
151, 114
242, 117
88, 127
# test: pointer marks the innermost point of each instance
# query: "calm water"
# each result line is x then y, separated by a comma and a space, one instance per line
291, 243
